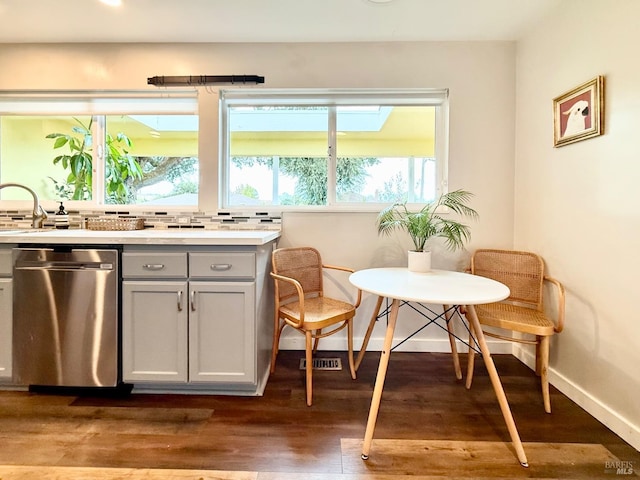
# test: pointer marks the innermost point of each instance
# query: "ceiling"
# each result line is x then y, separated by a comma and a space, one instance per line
171, 21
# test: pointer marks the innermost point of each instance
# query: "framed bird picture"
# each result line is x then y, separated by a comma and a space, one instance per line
579, 113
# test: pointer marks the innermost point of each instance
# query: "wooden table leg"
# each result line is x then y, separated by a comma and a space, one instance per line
470, 357
382, 372
372, 323
497, 385
452, 341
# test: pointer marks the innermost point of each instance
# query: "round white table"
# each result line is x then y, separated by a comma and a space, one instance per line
435, 287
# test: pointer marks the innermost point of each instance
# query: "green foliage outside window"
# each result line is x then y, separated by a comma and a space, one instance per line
121, 168
311, 176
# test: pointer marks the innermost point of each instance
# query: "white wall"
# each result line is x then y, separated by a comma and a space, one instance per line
480, 77
579, 205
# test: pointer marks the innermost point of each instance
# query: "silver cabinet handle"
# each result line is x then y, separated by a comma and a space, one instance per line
193, 301
221, 267
153, 266
180, 300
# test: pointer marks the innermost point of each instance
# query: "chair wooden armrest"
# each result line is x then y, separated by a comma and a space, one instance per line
336, 267
350, 270
296, 284
561, 302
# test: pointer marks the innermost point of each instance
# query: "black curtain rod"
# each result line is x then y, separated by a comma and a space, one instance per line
163, 81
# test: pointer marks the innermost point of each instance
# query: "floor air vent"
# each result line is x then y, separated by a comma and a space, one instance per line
322, 364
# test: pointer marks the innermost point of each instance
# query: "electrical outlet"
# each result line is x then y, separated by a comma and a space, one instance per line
184, 220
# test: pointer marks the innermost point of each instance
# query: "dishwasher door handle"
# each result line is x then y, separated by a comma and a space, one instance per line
63, 266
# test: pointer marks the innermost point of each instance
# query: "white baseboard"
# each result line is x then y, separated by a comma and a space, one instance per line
375, 344
626, 430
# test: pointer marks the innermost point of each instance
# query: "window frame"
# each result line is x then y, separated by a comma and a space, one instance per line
332, 98
213, 142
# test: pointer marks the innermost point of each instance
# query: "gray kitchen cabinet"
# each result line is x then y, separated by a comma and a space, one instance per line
196, 319
188, 332
6, 315
154, 331
222, 332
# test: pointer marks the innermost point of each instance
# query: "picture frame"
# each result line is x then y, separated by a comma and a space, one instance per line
579, 113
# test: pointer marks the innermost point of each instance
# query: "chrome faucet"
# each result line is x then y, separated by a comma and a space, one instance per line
39, 214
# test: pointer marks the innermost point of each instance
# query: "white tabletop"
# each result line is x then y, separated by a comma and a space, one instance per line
437, 286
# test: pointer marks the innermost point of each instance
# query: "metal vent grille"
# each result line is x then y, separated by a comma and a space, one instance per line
322, 364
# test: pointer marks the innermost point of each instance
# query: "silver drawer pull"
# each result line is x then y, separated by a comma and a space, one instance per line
153, 266
221, 267
180, 300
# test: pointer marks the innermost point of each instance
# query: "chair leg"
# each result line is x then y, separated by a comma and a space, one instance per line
352, 365
276, 344
470, 359
544, 371
372, 323
309, 369
538, 355
317, 340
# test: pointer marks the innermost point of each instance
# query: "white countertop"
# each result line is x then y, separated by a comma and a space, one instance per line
140, 237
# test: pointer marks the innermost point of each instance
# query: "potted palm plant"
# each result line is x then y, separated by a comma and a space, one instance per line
429, 222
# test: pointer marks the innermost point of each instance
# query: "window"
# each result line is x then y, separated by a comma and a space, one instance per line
332, 148
106, 148
279, 149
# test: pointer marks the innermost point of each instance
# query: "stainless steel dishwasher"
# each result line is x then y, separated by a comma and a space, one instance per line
65, 317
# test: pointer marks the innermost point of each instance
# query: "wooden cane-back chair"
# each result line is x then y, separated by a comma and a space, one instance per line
301, 304
523, 310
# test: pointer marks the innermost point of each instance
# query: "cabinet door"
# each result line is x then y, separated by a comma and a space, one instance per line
222, 332
6, 327
154, 331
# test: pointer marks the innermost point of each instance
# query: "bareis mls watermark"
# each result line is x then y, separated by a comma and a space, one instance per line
619, 468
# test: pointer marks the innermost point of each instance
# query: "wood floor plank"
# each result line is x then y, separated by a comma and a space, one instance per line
92, 473
342, 476
43, 449
464, 459
85, 419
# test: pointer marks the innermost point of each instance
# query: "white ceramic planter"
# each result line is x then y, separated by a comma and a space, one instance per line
419, 262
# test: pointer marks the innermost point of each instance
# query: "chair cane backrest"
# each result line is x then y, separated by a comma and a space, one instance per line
522, 272
302, 264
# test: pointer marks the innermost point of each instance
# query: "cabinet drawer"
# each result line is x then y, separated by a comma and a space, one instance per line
222, 264
154, 265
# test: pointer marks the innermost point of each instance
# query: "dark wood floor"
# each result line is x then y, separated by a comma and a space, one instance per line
424, 408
